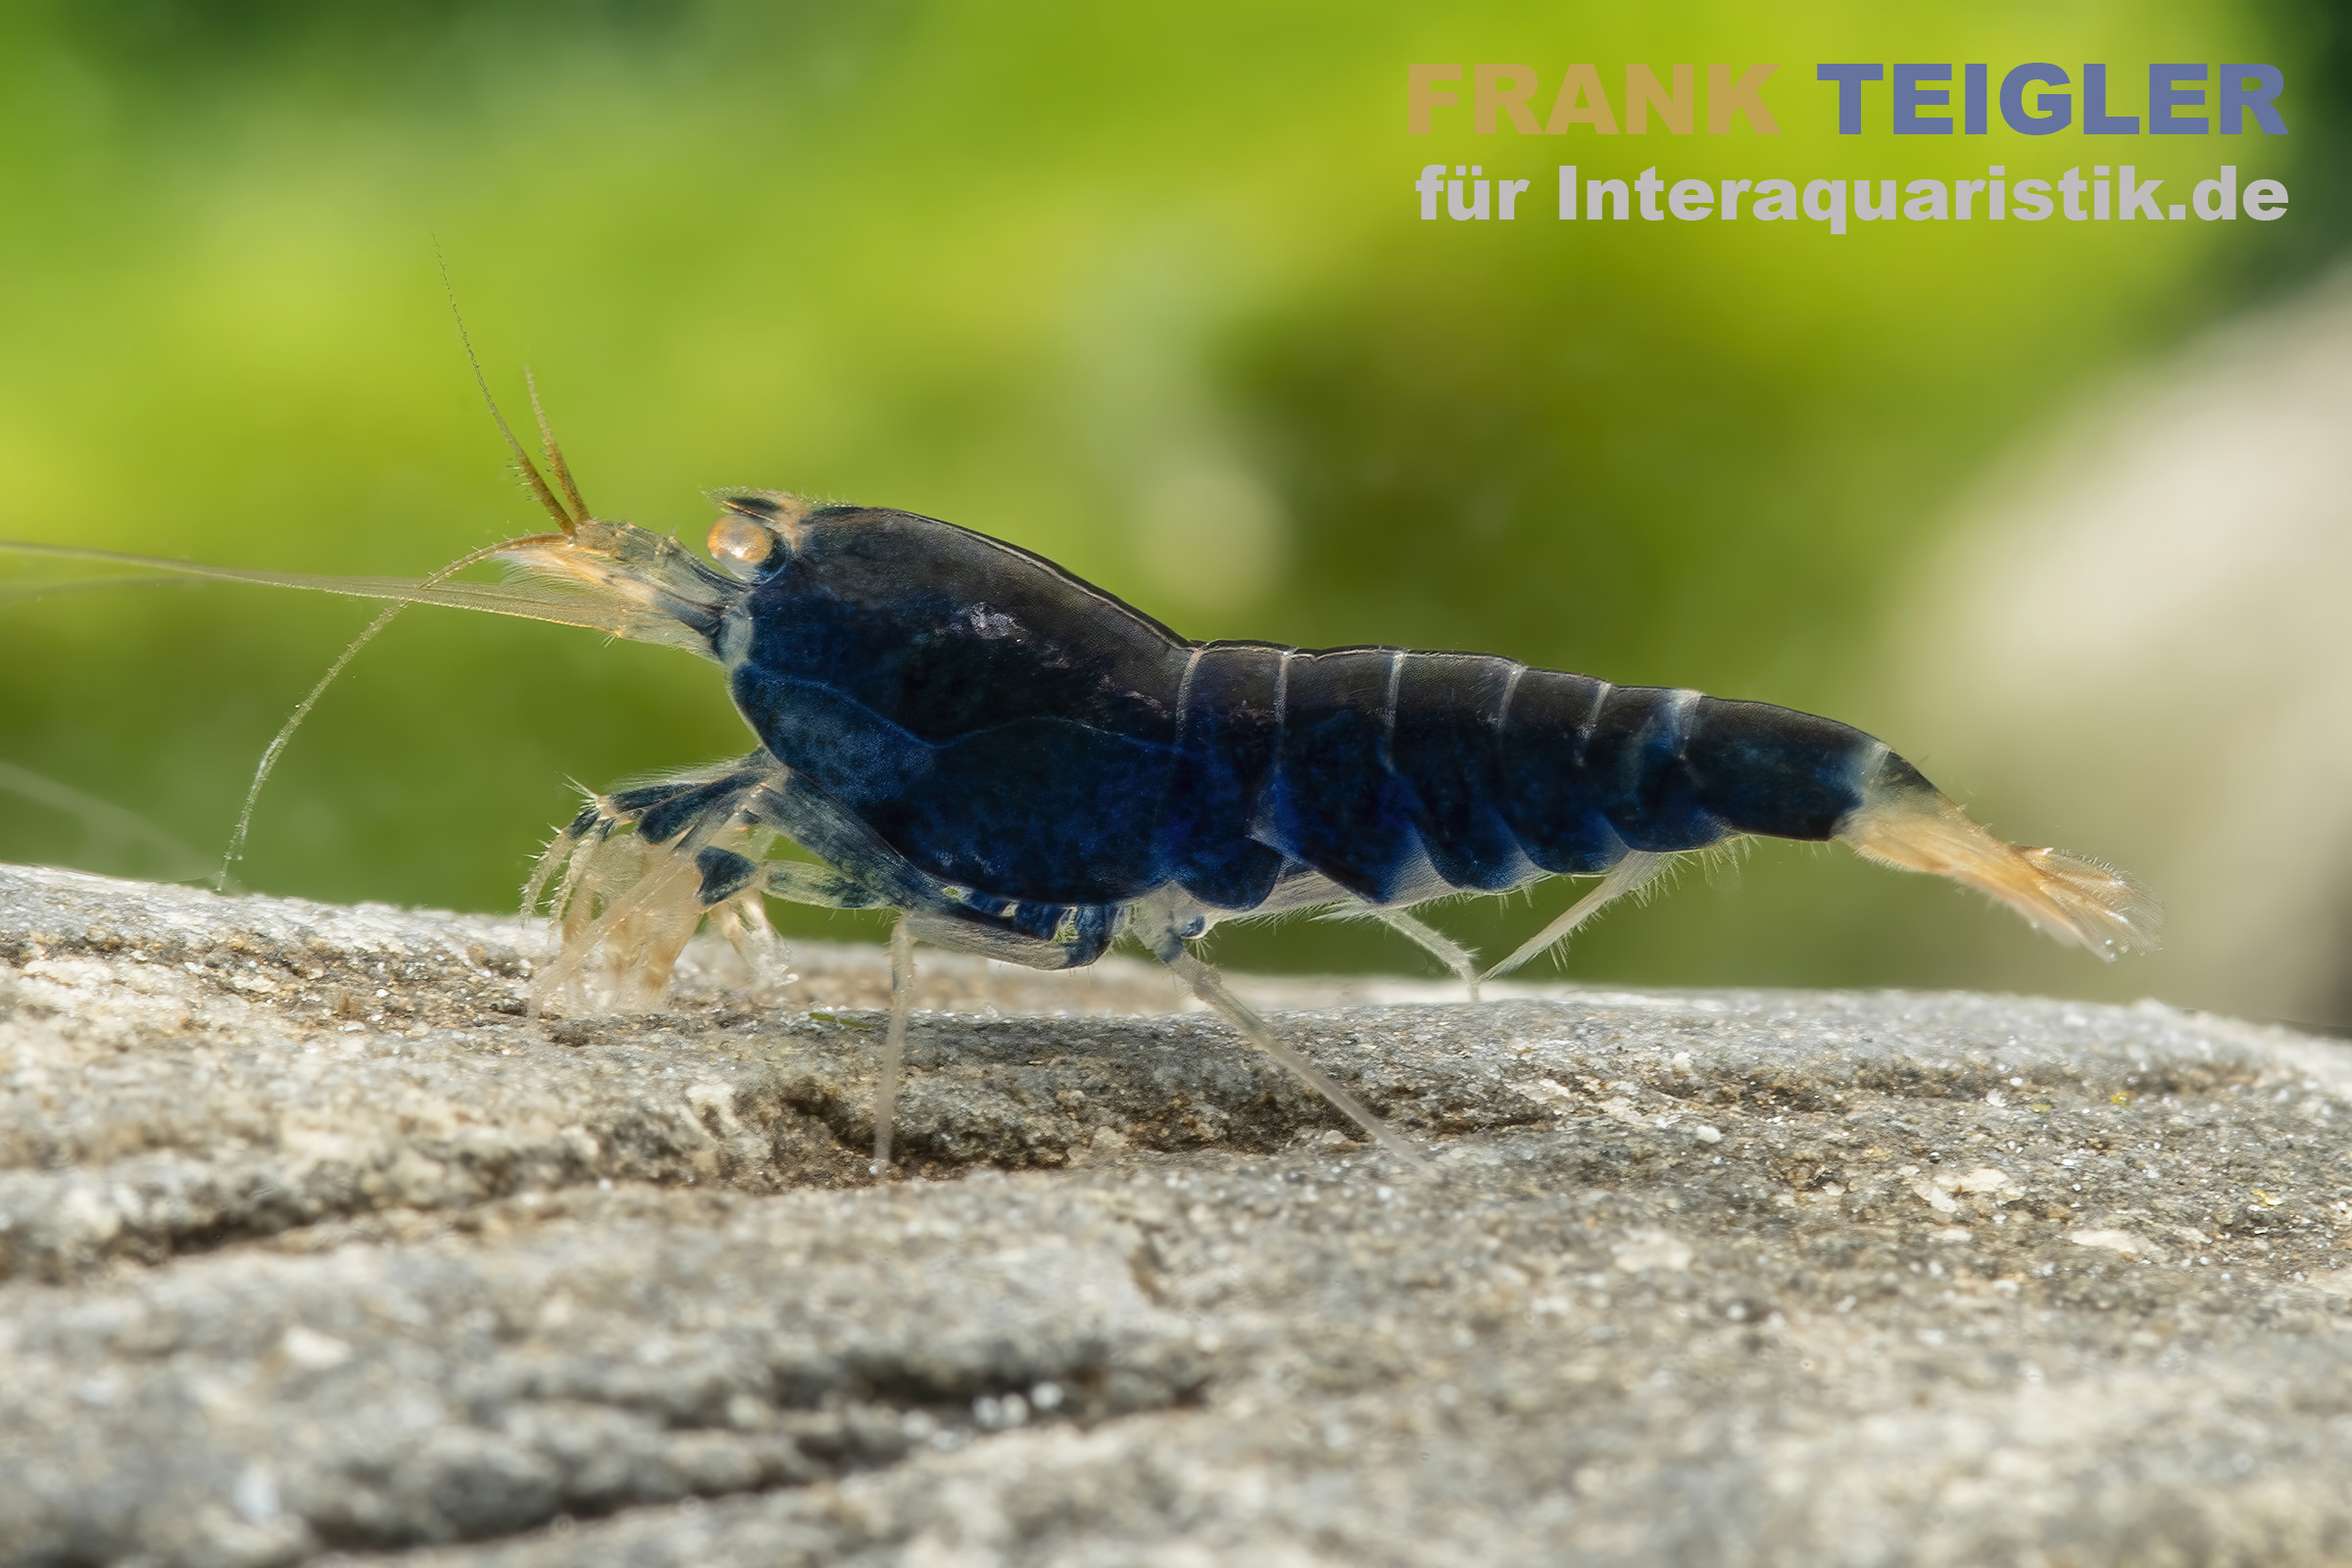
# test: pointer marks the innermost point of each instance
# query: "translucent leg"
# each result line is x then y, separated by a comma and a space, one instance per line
1205, 985
630, 902
1437, 944
642, 931
894, 1043
1630, 872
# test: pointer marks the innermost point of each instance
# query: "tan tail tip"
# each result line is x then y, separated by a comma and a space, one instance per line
2095, 905
2068, 895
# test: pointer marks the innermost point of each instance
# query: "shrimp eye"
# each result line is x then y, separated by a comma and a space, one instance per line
759, 526
738, 541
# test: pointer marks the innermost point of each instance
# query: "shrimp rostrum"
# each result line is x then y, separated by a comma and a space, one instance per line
1025, 768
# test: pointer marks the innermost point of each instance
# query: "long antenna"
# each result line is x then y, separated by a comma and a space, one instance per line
567, 520
301, 709
286, 733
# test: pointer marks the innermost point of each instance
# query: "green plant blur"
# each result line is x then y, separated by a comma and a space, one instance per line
1144, 288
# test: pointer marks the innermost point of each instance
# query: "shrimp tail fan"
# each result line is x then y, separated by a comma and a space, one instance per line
1905, 822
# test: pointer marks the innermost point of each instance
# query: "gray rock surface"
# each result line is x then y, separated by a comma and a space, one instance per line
314, 1242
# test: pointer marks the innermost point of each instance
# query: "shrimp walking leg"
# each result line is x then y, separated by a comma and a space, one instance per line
894, 1043
1167, 943
1436, 944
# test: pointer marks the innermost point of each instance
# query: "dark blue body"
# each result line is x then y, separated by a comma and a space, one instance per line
1014, 730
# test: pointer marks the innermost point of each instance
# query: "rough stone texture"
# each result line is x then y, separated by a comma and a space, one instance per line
311, 1242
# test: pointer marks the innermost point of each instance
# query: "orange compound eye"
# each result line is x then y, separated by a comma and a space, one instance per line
740, 542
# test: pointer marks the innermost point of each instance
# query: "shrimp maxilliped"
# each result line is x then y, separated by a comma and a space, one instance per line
1025, 768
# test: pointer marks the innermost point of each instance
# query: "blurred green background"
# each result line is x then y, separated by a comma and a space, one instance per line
1144, 288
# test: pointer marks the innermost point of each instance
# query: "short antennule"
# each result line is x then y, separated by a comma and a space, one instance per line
523, 465
1905, 822
555, 452
568, 521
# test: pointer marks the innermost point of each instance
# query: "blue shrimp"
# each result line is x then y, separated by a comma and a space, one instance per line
1025, 768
